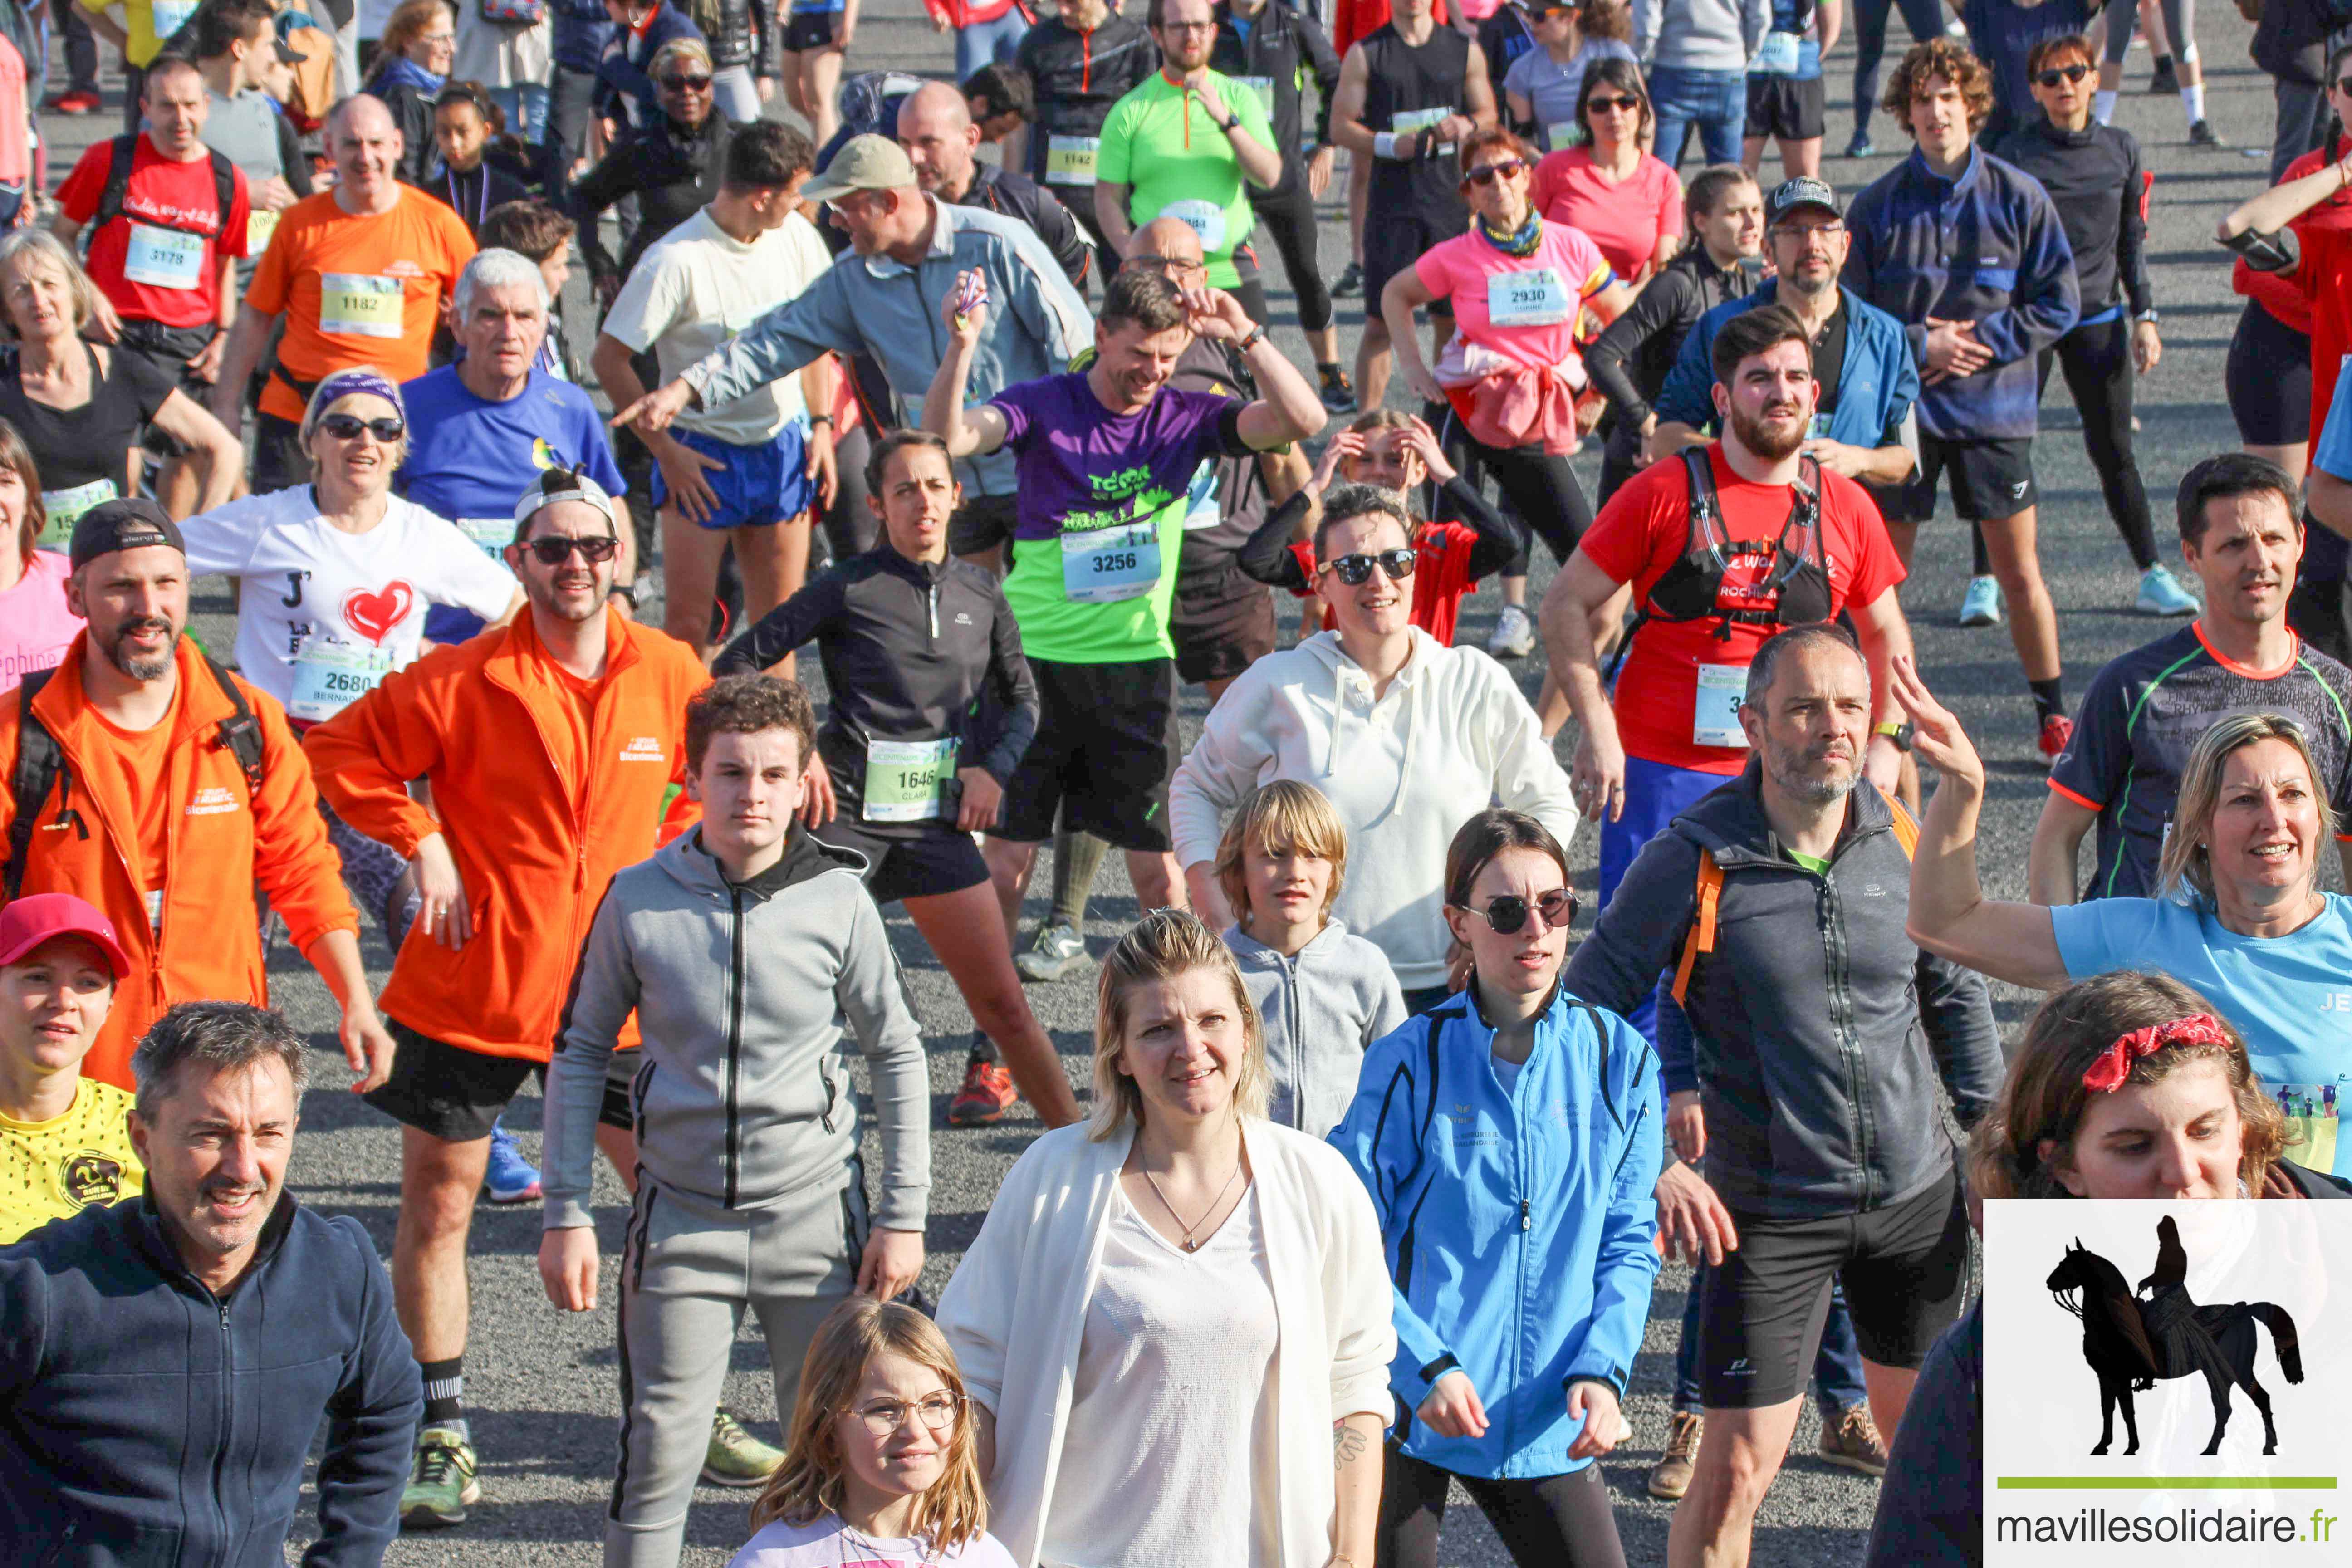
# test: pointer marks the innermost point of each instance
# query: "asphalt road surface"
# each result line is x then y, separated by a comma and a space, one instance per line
540, 1385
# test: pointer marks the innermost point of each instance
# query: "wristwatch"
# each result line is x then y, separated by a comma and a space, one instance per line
623, 591
1899, 733
1251, 340
2148, 317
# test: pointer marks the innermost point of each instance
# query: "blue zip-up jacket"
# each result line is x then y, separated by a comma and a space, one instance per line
629, 54
1874, 391
1517, 1224
582, 28
1987, 247
145, 1421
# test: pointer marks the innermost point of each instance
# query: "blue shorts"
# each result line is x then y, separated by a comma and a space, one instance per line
760, 487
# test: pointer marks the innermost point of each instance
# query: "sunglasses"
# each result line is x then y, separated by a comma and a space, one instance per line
1357, 570
1487, 174
1622, 105
2056, 74
686, 83
2344, 86
551, 551
1507, 913
347, 427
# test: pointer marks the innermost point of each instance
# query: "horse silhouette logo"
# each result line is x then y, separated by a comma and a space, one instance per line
2132, 1340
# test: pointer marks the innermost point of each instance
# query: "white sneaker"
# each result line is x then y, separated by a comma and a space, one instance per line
1514, 633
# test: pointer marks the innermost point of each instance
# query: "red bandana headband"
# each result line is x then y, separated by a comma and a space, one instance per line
2107, 1074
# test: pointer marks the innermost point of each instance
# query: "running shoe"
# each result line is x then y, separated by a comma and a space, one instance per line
79, 102
1338, 392
1852, 1442
1860, 147
442, 1484
1981, 606
1514, 633
1350, 282
2160, 593
1671, 1476
2057, 734
2202, 134
2164, 81
735, 1457
510, 1178
1056, 949
986, 1095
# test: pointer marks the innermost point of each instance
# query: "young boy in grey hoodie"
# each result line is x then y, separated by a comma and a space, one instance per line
741, 947
1322, 996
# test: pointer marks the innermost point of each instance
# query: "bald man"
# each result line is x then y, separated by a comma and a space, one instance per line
935, 127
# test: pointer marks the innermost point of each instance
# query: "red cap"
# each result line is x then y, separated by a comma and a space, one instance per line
26, 923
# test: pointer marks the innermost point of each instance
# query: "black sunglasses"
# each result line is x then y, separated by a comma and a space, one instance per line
347, 427
1487, 174
1630, 105
1507, 912
2074, 72
686, 83
553, 549
1357, 570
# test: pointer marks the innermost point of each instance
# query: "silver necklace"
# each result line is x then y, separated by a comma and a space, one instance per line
865, 1544
1189, 1244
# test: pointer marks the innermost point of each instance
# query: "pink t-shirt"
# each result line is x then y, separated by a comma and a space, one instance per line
1524, 308
16, 137
36, 628
1625, 220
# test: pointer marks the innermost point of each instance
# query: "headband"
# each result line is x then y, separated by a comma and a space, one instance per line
342, 385
2107, 1074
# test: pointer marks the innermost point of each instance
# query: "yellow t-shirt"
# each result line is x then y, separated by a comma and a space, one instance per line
148, 24
51, 1169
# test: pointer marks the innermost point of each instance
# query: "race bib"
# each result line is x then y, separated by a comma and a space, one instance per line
64, 509
164, 257
1106, 566
1206, 219
1263, 87
1562, 136
906, 781
260, 224
360, 304
1070, 160
329, 676
1778, 57
1535, 297
170, 15
492, 534
2311, 1112
1714, 713
1405, 119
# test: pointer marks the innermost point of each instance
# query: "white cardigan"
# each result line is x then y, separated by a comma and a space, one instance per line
1015, 1312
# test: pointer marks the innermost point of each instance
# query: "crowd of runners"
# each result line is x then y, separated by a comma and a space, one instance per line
1368, 1182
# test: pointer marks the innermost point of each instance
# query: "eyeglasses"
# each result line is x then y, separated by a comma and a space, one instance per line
1620, 105
2056, 74
686, 83
430, 39
1806, 231
347, 427
1487, 174
1507, 912
1357, 570
1168, 263
935, 1411
553, 550
2344, 86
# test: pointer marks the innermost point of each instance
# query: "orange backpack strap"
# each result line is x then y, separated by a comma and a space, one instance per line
1702, 931
1906, 826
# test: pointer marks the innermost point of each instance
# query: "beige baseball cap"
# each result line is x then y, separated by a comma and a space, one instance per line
866, 163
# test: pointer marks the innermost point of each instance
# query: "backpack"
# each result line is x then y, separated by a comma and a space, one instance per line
121, 153
41, 762
1701, 938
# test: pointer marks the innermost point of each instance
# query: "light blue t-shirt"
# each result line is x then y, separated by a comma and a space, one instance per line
2290, 997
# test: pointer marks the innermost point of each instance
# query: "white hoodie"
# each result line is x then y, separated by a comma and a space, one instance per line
1451, 737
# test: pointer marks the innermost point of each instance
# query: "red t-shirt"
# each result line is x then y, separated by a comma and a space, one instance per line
1646, 528
2283, 296
1441, 575
1356, 20
167, 207
2324, 274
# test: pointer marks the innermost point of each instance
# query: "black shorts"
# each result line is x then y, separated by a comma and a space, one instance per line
809, 30
1908, 1277
169, 349
1219, 633
1394, 241
1785, 106
1105, 751
2268, 380
455, 1095
982, 522
279, 461
920, 865
1991, 480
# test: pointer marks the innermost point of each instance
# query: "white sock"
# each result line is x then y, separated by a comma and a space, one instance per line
2192, 99
2103, 106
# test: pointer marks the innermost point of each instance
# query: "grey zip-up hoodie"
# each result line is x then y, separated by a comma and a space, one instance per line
1320, 1009
741, 992
1700, 35
1820, 1027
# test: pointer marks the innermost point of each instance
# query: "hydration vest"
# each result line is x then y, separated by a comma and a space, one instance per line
1794, 589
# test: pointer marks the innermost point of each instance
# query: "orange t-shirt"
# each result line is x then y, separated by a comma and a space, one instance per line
357, 289
135, 767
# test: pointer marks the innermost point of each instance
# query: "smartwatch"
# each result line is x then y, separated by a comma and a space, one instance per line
1899, 733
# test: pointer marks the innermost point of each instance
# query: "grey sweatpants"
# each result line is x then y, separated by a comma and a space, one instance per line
688, 1270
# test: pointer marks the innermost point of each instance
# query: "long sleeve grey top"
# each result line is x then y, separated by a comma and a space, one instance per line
874, 305
740, 988
1700, 35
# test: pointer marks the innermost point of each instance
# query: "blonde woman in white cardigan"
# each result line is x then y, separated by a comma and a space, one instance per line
1117, 1317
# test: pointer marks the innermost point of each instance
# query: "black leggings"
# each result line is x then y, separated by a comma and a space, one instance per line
1924, 17
1557, 1522
2098, 362
1539, 485
1289, 213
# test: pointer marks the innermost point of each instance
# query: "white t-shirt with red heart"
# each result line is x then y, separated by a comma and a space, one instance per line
324, 615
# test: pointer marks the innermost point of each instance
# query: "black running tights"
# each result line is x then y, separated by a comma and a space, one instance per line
1546, 1522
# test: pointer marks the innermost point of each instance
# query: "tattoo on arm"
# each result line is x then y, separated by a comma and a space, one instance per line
1348, 1444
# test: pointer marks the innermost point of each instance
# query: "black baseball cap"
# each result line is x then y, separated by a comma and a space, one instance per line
1802, 192
131, 524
